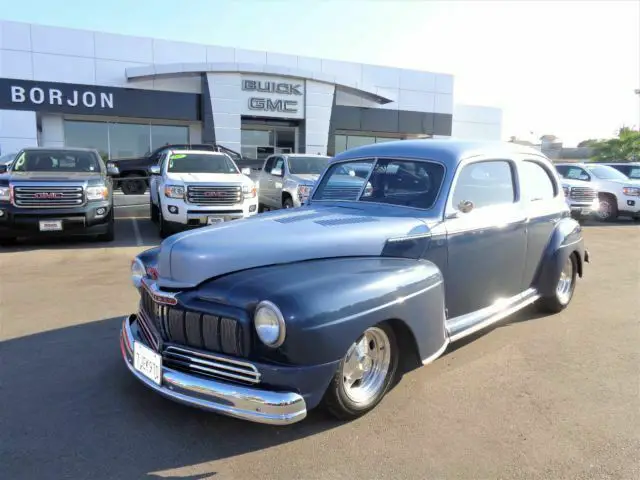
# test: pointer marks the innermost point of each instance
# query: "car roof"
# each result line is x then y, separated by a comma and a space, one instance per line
58, 149
182, 151
620, 163
448, 151
294, 155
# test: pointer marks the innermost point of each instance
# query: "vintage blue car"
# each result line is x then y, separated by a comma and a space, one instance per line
402, 248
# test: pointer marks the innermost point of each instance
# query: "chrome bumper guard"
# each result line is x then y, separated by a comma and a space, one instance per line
260, 406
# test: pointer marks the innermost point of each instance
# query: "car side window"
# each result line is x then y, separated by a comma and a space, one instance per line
278, 164
162, 161
577, 173
537, 181
485, 184
269, 164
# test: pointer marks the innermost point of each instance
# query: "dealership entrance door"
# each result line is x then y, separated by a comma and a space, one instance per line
263, 138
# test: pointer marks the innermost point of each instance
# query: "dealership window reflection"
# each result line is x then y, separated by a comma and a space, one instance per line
345, 142
122, 140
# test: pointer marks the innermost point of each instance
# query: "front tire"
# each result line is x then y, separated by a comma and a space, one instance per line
110, 234
287, 203
153, 212
608, 210
565, 286
364, 375
163, 228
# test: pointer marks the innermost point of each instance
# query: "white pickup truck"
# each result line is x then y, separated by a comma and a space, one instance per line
191, 188
581, 197
618, 194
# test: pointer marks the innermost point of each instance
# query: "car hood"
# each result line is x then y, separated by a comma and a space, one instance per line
17, 177
570, 182
305, 179
189, 258
191, 178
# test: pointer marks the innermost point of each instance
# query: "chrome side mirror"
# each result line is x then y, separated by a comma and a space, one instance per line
465, 206
154, 170
246, 171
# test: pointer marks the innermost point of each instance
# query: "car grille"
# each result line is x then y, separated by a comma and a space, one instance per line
47, 197
582, 194
222, 195
194, 329
202, 363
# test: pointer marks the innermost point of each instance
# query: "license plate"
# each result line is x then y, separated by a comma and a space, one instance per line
586, 211
147, 362
50, 225
212, 220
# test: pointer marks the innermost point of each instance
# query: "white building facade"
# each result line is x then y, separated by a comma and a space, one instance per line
126, 96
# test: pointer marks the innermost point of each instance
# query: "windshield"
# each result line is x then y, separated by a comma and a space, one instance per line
57, 161
635, 173
307, 165
397, 182
604, 172
200, 163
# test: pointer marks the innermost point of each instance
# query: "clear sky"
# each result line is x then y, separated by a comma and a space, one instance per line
565, 68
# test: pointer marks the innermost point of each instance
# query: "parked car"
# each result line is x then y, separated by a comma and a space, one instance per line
191, 188
285, 181
56, 191
630, 169
618, 194
131, 175
581, 198
7, 159
266, 318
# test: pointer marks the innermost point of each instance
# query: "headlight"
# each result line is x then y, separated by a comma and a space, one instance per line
137, 272
249, 191
631, 191
5, 193
269, 324
304, 191
100, 192
566, 191
174, 191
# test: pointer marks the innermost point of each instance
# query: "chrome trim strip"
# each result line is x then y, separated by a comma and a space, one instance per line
246, 403
244, 371
471, 322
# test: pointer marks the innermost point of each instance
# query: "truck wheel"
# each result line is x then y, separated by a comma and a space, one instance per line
287, 203
565, 286
163, 229
153, 212
110, 235
608, 210
8, 241
132, 185
364, 375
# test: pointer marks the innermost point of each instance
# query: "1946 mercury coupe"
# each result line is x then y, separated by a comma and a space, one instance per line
402, 248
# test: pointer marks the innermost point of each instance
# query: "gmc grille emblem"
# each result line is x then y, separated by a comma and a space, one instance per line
48, 195
213, 194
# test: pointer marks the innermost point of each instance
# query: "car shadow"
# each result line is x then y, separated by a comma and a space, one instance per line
71, 409
125, 236
619, 222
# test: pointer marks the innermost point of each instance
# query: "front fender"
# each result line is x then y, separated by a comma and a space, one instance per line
566, 239
328, 303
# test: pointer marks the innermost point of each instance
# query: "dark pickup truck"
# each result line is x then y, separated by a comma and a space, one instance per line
56, 191
132, 174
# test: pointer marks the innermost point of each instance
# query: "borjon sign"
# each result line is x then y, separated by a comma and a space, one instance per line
54, 96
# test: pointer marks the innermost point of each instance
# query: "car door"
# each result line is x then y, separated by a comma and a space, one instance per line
486, 236
543, 201
155, 181
275, 177
266, 183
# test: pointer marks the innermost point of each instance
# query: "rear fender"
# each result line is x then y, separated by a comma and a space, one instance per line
565, 240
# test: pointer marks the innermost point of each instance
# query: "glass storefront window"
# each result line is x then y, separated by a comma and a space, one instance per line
344, 142
341, 144
257, 137
128, 140
87, 135
359, 141
122, 140
168, 135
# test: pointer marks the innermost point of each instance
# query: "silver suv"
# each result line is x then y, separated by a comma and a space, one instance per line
286, 180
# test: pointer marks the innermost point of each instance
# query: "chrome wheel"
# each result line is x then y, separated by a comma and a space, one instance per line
565, 283
366, 365
606, 210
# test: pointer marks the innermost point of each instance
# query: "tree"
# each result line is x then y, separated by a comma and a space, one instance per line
587, 143
624, 148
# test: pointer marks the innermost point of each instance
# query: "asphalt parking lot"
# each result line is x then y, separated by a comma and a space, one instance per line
554, 397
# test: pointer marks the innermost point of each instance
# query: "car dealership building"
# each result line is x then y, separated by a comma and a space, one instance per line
127, 95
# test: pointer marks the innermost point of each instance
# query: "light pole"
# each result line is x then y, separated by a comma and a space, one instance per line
637, 92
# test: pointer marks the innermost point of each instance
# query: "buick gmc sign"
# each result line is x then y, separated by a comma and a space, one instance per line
97, 100
273, 97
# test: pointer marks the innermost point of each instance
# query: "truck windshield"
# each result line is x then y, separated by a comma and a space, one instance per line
396, 182
200, 163
307, 165
604, 172
57, 161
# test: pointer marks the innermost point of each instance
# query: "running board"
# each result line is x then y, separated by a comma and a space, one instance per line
460, 327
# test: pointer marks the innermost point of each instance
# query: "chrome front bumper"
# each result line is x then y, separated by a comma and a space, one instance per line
261, 406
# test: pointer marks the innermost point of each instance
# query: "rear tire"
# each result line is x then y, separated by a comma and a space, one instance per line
364, 375
130, 185
565, 286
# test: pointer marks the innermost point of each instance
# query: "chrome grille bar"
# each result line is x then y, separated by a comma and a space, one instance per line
48, 196
222, 195
583, 194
